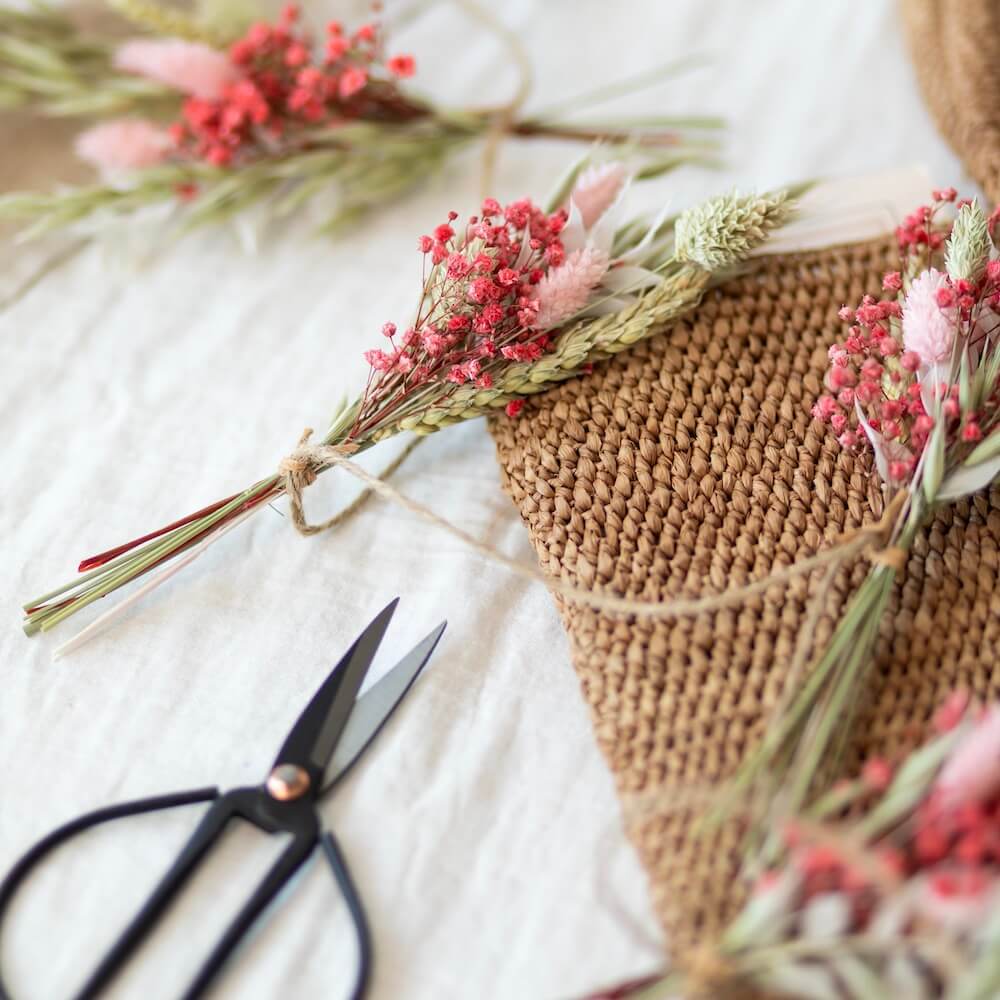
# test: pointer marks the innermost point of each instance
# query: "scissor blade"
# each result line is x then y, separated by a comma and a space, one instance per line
314, 736
375, 707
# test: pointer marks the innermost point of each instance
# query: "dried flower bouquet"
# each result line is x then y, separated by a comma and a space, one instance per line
512, 300
278, 117
887, 886
917, 382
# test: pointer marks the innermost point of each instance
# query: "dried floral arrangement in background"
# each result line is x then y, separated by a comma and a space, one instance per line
886, 886
276, 116
512, 301
916, 381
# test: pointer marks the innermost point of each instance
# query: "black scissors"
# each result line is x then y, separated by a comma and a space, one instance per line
329, 736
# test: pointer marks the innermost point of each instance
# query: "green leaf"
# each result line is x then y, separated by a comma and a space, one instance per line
862, 982
964, 386
969, 479
985, 450
981, 980
934, 463
766, 917
909, 786
799, 979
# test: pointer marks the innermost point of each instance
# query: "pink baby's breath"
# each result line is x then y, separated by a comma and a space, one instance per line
479, 308
351, 81
189, 67
401, 66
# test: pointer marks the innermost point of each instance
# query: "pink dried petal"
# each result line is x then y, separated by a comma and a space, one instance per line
596, 190
929, 328
123, 144
189, 67
566, 289
972, 772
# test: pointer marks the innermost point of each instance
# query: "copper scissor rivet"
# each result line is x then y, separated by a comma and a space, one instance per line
287, 782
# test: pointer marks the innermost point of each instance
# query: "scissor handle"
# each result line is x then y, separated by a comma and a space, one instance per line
282, 870
251, 804
346, 884
31, 858
205, 834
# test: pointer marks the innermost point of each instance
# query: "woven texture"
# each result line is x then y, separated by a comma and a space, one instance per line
688, 465
955, 47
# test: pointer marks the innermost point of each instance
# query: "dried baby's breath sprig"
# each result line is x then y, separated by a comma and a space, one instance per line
364, 166
281, 117
478, 342
888, 887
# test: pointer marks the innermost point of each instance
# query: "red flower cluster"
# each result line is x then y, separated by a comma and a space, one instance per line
951, 849
284, 88
887, 372
956, 850
477, 309
870, 369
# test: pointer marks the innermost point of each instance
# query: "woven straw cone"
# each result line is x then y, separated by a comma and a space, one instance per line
955, 47
688, 465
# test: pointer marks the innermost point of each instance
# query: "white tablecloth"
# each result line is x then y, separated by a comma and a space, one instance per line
483, 829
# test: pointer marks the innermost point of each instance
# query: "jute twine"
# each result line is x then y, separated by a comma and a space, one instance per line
955, 48
301, 468
690, 464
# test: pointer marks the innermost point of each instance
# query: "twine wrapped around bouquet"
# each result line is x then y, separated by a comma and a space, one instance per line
691, 464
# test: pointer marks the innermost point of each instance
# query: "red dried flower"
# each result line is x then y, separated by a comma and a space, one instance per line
402, 67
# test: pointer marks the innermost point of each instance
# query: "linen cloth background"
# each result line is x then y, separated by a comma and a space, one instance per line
143, 380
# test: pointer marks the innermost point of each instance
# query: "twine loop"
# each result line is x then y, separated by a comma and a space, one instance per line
300, 468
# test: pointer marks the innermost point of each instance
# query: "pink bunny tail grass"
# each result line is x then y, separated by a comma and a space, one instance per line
565, 289
596, 189
929, 326
123, 144
189, 67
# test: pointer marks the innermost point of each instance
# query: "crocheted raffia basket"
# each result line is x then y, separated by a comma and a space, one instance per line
955, 49
689, 465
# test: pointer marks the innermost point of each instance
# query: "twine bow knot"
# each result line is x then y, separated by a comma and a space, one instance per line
300, 469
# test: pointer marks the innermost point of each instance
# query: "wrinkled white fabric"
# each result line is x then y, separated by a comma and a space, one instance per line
139, 384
